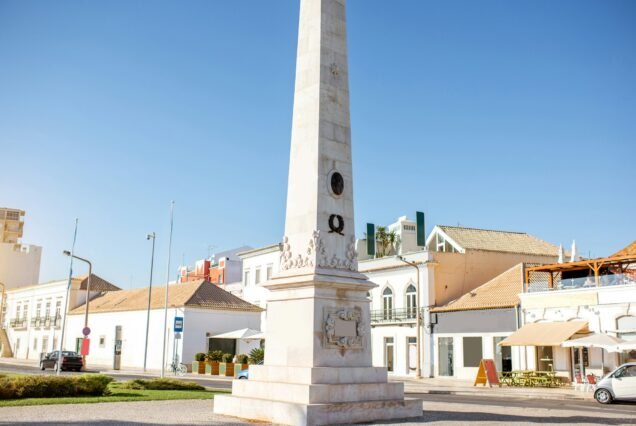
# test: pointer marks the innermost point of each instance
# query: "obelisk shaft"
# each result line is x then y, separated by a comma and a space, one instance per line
320, 190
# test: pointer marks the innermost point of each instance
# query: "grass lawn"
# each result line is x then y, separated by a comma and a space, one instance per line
117, 395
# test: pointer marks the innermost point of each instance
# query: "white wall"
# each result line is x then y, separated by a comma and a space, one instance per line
198, 323
19, 267
488, 352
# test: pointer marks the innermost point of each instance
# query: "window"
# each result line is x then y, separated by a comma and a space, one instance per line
411, 354
269, 272
55, 344
257, 276
503, 355
58, 308
472, 351
38, 309
25, 312
411, 302
246, 278
102, 341
47, 310
387, 304
35, 343
388, 353
446, 356
45, 344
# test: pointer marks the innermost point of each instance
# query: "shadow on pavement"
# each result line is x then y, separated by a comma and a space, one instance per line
463, 417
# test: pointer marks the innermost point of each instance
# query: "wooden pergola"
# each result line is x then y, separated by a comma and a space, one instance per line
621, 263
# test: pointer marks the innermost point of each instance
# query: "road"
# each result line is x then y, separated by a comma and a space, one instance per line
439, 409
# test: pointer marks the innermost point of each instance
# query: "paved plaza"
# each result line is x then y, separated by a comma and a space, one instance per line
439, 410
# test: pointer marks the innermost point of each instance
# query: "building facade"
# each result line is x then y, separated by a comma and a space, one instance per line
118, 324
563, 301
19, 263
33, 315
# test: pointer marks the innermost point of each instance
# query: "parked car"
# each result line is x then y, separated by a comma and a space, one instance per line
245, 374
70, 361
620, 384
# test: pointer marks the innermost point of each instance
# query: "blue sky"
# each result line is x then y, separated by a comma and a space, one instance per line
494, 114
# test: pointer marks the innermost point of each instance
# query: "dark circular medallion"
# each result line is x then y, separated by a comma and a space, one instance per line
337, 183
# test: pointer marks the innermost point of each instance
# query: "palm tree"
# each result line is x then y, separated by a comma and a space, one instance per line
386, 240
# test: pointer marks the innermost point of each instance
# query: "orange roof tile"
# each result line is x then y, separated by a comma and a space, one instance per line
199, 293
500, 292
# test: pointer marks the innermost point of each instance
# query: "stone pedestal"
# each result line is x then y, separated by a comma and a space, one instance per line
318, 359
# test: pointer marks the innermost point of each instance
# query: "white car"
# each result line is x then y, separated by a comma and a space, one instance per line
619, 384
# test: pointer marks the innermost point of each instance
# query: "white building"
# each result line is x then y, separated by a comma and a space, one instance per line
33, 314
455, 261
19, 263
563, 301
469, 329
118, 324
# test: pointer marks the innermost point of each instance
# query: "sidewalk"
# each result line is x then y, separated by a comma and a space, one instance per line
443, 386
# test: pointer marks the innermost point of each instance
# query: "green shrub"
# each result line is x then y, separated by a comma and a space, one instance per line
257, 355
200, 356
214, 355
53, 386
227, 357
161, 384
242, 359
93, 384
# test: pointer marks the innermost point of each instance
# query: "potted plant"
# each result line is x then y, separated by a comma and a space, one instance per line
240, 364
257, 355
212, 362
198, 364
226, 367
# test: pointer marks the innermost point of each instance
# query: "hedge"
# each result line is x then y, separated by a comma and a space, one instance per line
161, 384
53, 386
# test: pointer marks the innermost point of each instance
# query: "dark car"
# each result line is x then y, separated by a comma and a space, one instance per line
70, 361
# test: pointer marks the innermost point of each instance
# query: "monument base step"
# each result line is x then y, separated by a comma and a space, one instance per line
290, 413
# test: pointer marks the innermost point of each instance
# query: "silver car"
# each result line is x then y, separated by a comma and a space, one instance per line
620, 384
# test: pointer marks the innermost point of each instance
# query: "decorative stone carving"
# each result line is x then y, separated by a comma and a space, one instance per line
316, 255
343, 328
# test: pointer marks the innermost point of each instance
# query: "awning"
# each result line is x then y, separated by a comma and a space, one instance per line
545, 333
244, 333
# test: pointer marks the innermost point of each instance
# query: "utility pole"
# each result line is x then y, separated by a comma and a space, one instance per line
418, 370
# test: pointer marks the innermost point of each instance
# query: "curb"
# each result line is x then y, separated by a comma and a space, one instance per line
557, 397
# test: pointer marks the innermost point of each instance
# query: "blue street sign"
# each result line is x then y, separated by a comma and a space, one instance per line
178, 324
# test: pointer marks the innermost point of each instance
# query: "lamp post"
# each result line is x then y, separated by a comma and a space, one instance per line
418, 370
88, 289
152, 261
165, 307
2, 304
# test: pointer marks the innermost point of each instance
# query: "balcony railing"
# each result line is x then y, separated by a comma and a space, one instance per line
587, 282
18, 323
403, 315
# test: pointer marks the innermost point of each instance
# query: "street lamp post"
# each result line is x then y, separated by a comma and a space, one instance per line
418, 370
88, 289
152, 261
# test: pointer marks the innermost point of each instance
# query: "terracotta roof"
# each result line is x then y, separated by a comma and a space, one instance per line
505, 241
97, 283
500, 292
199, 293
630, 250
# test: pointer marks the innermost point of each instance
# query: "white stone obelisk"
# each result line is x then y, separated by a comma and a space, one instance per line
318, 367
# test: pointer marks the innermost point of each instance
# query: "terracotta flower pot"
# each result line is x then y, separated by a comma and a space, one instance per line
226, 369
212, 367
